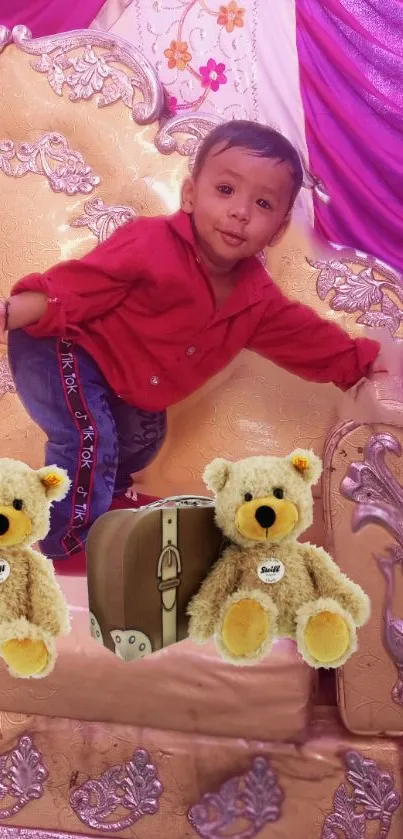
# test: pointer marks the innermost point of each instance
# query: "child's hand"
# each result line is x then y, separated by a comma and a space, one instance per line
378, 399
390, 358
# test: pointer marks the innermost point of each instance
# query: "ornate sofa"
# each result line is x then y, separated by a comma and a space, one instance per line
179, 744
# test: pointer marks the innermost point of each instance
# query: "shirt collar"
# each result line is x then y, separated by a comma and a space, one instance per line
254, 278
181, 224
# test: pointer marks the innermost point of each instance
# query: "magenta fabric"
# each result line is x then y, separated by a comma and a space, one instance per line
47, 17
351, 73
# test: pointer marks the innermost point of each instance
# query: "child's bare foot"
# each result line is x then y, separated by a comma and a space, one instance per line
131, 494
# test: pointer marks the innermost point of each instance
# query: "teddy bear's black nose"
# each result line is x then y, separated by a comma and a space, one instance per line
4, 524
265, 516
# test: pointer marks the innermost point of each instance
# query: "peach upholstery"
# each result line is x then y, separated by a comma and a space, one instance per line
84, 145
192, 680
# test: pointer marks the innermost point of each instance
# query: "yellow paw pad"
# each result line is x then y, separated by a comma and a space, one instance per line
245, 627
25, 657
327, 637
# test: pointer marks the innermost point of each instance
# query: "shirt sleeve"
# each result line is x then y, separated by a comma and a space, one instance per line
300, 341
84, 289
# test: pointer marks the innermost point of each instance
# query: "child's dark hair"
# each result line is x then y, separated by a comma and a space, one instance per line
260, 140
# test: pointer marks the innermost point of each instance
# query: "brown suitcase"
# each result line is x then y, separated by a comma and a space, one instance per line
143, 567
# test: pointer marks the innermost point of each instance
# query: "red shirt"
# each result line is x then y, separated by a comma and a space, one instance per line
141, 305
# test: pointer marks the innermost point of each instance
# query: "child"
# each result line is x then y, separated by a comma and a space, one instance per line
100, 347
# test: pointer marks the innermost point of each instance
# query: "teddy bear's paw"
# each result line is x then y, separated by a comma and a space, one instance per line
328, 637
247, 628
25, 657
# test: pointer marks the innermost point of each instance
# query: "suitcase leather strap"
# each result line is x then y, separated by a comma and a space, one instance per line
168, 573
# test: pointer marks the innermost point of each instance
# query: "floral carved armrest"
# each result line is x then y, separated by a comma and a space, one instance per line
364, 516
363, 490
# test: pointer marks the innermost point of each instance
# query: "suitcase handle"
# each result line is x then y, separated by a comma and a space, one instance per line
179, 501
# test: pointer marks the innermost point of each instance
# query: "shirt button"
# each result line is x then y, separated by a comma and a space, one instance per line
190, 350
154, 380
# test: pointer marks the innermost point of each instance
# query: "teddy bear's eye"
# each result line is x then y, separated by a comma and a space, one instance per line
17, 504
248, 496
278, 492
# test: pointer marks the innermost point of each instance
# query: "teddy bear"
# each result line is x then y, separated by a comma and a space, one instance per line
33, 611
266, 584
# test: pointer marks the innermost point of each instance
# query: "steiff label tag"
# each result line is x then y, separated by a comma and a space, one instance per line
4, 570
271, 571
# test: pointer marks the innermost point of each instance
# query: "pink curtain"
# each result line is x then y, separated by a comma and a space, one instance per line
351, 75
47, 17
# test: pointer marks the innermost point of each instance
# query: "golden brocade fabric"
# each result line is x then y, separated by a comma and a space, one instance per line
71, 170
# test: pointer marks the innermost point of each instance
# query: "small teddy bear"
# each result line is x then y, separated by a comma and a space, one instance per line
267, 584
33, 611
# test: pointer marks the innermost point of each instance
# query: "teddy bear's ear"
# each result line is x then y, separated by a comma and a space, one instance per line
307, 464
55, 481
216, 474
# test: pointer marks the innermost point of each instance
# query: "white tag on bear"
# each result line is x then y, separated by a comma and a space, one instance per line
4, 570
271, 570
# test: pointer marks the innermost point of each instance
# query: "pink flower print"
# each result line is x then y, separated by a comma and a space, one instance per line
213, 75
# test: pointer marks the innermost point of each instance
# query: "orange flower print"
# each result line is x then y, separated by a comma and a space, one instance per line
178, 55
231, 16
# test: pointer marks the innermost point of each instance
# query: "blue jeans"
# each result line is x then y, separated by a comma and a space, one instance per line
99, 439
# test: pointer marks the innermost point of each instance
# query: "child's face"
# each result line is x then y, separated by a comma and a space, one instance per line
240, 204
